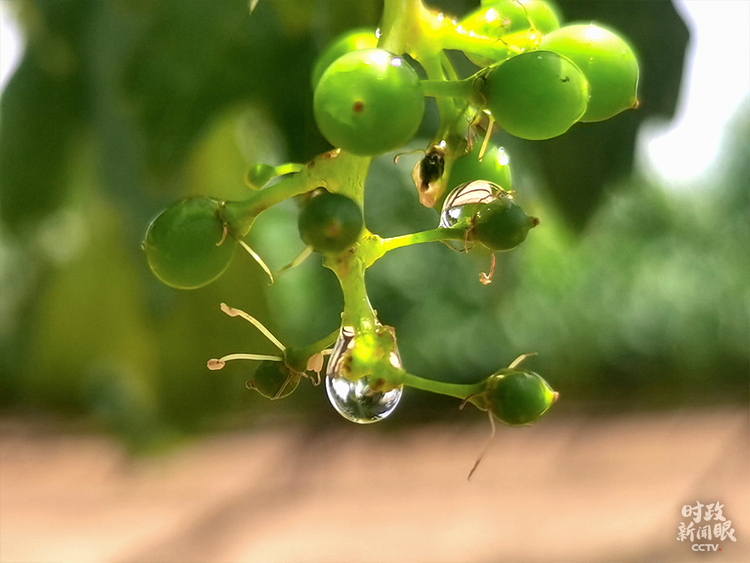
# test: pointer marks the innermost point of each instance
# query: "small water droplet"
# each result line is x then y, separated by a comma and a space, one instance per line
502, 157
463, 201
355, 400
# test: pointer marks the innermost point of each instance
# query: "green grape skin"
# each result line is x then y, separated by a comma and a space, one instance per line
511, 16
518, 396
274, 380
607, 61
368, 102
501, 224
494, 167
536, 95
352, 40
187, 246
330, 223
499, 18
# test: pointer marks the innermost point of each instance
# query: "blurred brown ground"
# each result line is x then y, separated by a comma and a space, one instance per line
578, 489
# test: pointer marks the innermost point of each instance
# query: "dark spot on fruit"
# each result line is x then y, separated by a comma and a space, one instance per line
566, 79
333, 230
358, 107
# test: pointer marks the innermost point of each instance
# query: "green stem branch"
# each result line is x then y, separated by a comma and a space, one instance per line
297, 358
373, 247
463, 391
462, 89
350, 271
335, 170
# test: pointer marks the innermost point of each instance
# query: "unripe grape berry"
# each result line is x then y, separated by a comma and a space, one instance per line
494, 167
368, 102
499, 18
501, 224
518, 396
274, 380
187, 245
607, 61
535, 95
330, 223
510, 16
352, 40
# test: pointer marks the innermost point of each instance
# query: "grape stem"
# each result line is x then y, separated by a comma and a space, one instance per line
462, 89
350, 271
288, 168
335, 170
391, 377
373, 247
297, 358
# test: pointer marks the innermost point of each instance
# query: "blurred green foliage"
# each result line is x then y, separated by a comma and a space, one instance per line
631, 294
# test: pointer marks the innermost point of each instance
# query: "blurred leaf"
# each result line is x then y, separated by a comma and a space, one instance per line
40, 112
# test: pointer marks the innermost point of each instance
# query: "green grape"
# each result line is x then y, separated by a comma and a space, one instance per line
368, 102
500, 18
274, 380
353, 40
518, 396
187, 245
501, 224
535, 95
510, 16
330, 223
607, 61
494, 167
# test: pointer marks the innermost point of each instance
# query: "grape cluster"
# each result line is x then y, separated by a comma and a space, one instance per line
536, 78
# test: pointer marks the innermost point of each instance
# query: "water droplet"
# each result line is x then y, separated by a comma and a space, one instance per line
502, 157
356, 400
463, 201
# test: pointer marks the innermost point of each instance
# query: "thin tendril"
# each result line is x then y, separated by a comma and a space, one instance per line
520, 359
486, 138
486, 279
301, 257
486, 447
232, 312
216, 364
223, 235
257, 258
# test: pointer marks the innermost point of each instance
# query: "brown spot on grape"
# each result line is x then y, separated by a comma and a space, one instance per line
333, 230
358, 107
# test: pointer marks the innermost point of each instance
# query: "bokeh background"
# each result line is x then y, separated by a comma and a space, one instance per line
633, 291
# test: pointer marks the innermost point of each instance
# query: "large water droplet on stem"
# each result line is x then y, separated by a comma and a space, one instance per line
356, 400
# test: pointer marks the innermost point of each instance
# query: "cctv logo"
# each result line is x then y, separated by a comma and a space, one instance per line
706, 547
